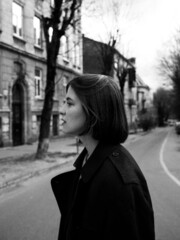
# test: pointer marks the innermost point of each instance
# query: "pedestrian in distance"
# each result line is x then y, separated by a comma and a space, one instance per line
105, 197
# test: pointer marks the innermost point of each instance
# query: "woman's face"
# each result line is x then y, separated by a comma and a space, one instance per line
73, 116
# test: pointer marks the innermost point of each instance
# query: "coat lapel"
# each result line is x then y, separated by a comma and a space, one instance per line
101, 152
78, 165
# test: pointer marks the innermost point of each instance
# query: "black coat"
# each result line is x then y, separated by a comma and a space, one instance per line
106, 199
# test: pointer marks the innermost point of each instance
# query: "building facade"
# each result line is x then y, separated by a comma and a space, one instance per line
101, 58
23, 69
144, 99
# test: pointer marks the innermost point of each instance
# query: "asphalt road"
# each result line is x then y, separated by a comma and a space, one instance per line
30, 212
164, 191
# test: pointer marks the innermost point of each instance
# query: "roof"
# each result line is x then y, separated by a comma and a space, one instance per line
128, 61
141, 83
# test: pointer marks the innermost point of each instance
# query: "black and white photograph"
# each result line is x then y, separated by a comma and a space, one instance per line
89, 120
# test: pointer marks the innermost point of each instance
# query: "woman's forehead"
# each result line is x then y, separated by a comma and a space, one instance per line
71, 95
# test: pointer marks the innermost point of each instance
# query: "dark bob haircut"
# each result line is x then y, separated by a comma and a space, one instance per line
103, 105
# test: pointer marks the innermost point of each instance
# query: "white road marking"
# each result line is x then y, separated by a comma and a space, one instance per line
164, 165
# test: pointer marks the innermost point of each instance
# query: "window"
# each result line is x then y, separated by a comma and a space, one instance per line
76, 40
37, 31
38, 82
78, 55
38, 122
17, 19
116, 64
1, 137
56, 88
64, 84
74, 53
78, 49
18, 68
50, 33
52, 3
65, 47
55, 121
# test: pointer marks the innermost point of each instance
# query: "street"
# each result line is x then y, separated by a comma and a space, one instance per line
164, 192
31, 212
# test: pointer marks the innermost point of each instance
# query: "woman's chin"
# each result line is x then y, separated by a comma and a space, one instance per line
65, 131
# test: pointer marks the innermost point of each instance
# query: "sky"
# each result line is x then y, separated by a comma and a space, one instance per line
147, 28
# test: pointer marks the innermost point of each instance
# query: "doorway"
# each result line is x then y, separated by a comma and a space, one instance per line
17, 114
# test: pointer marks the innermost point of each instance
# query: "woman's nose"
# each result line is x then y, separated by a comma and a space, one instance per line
62, 110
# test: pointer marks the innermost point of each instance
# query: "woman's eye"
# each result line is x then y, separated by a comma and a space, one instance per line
69, 103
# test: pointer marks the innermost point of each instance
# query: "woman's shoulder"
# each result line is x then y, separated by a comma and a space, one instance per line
126, 165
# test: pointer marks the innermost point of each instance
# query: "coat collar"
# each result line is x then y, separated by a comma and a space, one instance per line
101, 152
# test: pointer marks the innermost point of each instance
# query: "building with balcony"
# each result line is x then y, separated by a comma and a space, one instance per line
23, 69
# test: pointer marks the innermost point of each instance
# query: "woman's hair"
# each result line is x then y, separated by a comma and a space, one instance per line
103, 105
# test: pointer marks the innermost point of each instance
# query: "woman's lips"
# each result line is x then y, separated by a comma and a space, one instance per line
63, 121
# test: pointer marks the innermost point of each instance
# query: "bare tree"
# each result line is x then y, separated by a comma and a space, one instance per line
106, 59
170, 68
110, 14
55, 26
163, 103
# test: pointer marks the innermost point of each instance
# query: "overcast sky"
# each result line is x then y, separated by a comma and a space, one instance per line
146, 26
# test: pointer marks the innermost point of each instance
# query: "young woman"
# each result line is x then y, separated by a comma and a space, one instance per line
106, 197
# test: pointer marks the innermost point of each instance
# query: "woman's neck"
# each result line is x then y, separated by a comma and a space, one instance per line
89, 143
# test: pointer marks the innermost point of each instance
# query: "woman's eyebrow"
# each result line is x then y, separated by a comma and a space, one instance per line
69, 99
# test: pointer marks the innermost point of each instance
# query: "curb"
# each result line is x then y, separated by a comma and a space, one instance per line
17, 180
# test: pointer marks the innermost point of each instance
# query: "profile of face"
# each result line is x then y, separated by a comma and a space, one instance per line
73, 115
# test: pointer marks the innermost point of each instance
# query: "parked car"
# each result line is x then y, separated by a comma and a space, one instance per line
171, 122
177, 127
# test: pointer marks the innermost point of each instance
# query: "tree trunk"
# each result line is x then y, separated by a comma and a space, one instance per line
42, 150
43, 144
64, 16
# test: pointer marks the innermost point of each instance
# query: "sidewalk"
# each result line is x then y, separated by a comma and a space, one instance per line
17, 164
62, 144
